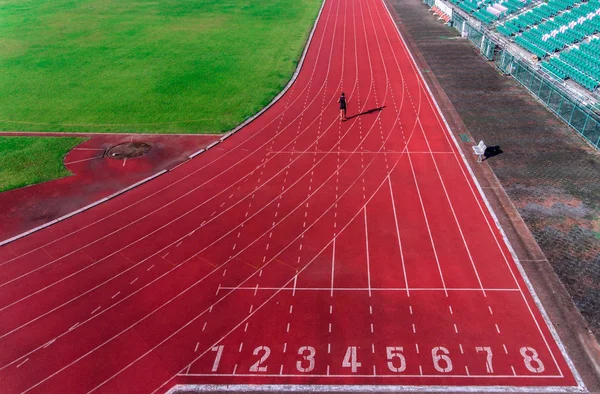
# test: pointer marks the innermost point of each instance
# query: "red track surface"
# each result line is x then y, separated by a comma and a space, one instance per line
302, 250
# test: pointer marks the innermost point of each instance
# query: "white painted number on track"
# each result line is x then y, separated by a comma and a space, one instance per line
310, 357
488, 362
435, 354
256, 367
393, 353
527, 359
350, 359
219, 350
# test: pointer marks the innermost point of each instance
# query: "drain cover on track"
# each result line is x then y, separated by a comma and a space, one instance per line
128, 150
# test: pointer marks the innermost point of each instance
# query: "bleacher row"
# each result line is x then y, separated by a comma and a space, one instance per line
489, 11
569, 27
534, 16
556, 31
581, 64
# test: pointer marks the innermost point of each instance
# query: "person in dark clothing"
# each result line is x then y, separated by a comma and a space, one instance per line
342, 102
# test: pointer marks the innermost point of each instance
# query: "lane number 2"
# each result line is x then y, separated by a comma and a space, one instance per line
257, 367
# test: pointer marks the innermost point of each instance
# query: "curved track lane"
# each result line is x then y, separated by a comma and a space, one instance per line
300, 251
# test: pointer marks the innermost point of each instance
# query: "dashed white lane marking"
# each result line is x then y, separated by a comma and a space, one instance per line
204, 326
95, 310
73, 326
505, 350
196, 348
49, 343
241, 347
497, 328
116, 294
23, 362
461, 348
133, 281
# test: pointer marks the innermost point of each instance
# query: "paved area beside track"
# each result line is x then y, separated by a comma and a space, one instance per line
95, 176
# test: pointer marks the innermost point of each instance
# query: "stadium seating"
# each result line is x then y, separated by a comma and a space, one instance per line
573, 24
489, 11
580, 64
534, 16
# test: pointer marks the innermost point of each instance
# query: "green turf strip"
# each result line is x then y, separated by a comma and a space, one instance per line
28, 160
166, 66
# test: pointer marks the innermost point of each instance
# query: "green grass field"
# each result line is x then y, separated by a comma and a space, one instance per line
26, 160
168, 66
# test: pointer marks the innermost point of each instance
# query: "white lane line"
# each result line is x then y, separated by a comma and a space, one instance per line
437, 260
133, 281
82, 160
366, 289
398, 236
96, 310
49, 343
23, 362
116, 294
367, 252
332, 265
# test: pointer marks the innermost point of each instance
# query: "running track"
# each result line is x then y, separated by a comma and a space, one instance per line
300, 251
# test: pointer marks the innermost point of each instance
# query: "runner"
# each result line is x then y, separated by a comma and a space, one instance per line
342, 102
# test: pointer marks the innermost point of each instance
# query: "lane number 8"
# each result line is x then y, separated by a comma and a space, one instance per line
527, 359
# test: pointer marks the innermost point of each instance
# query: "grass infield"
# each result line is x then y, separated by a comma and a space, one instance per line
168, 66
28, 160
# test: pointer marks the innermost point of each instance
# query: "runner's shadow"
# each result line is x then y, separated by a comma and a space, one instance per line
366, 112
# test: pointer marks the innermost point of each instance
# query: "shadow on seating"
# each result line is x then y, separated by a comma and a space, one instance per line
492, 151
366, 112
